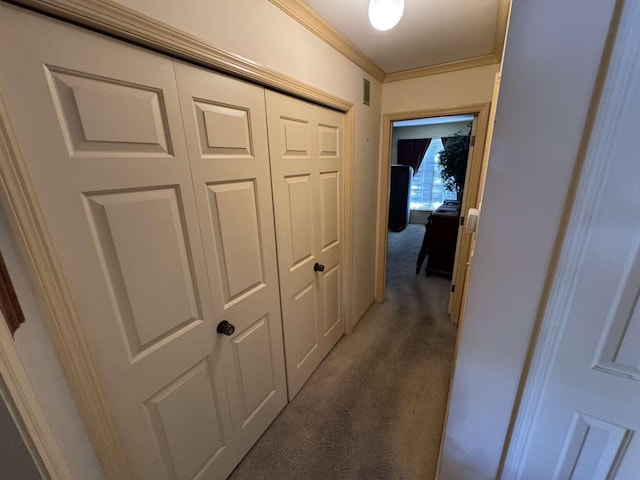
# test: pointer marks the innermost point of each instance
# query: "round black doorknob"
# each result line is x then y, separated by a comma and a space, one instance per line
318, 267
226, 328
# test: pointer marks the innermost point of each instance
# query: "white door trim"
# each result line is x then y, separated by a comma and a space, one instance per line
481, 112
585, 198
32, 423
30, 230
31, 235
128, 24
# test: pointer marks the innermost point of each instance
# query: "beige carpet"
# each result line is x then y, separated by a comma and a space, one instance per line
374, 409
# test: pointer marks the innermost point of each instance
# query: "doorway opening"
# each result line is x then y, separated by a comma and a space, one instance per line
429, 160
429, 178
430, 169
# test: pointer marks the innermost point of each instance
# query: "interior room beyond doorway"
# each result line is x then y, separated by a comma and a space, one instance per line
427, 191
428, 175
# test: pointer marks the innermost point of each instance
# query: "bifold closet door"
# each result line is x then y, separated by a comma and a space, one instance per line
306, 148
100, 126
226, 131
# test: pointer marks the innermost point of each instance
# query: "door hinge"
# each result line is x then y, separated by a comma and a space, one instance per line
472, 143
461, 220
453, 288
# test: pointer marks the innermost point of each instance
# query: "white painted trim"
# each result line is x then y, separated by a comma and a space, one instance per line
439, 68
502, 26
602, 141
109, 17
29, 227
481, 113
32, 423
309, 19
348, 303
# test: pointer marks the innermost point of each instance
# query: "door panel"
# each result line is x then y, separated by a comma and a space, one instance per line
300, 223
329, 209
191, 393
254, 367
225, 127
306, 160
238, 243
331, 299
139, 235
101, 114
99, 124
587, 419
306, 339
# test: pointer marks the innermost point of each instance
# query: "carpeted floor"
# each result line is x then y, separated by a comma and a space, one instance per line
374, 409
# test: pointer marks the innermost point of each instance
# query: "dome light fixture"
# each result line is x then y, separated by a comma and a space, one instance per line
385, 14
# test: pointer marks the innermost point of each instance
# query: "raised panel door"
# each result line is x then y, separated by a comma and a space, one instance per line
582, 407
305, 143
99, 125
225, 127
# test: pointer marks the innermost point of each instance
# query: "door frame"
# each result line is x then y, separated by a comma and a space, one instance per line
29, 228
24, 406
481, 113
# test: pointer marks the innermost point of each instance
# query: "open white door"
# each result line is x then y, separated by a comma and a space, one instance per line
580, 417
463, 242
483, 177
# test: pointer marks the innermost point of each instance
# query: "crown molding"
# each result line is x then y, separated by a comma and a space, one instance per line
480, 61
308, 18
120, 21
502, 23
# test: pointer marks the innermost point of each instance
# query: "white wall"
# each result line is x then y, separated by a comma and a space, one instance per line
551, 59
452, 89
425, 131
259, 31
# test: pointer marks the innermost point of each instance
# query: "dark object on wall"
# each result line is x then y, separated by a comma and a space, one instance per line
399, 197
8, 300
366, 94
440, 237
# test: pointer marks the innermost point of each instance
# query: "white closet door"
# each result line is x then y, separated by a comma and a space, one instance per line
99, 124
225, 125
305, 143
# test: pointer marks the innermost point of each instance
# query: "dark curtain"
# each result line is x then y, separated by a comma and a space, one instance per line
411, 152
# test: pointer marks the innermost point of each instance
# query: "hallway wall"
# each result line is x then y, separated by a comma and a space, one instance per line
451, 89
550, 66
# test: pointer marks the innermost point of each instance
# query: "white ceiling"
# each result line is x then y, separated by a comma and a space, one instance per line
430, 32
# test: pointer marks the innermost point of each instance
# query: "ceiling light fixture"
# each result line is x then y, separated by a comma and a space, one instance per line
385, 14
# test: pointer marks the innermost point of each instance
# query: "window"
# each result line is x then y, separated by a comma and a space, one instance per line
427, 190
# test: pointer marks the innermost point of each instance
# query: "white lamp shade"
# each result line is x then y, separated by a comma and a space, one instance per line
385, 14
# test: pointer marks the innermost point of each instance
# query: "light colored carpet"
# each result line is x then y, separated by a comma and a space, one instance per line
374, 409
